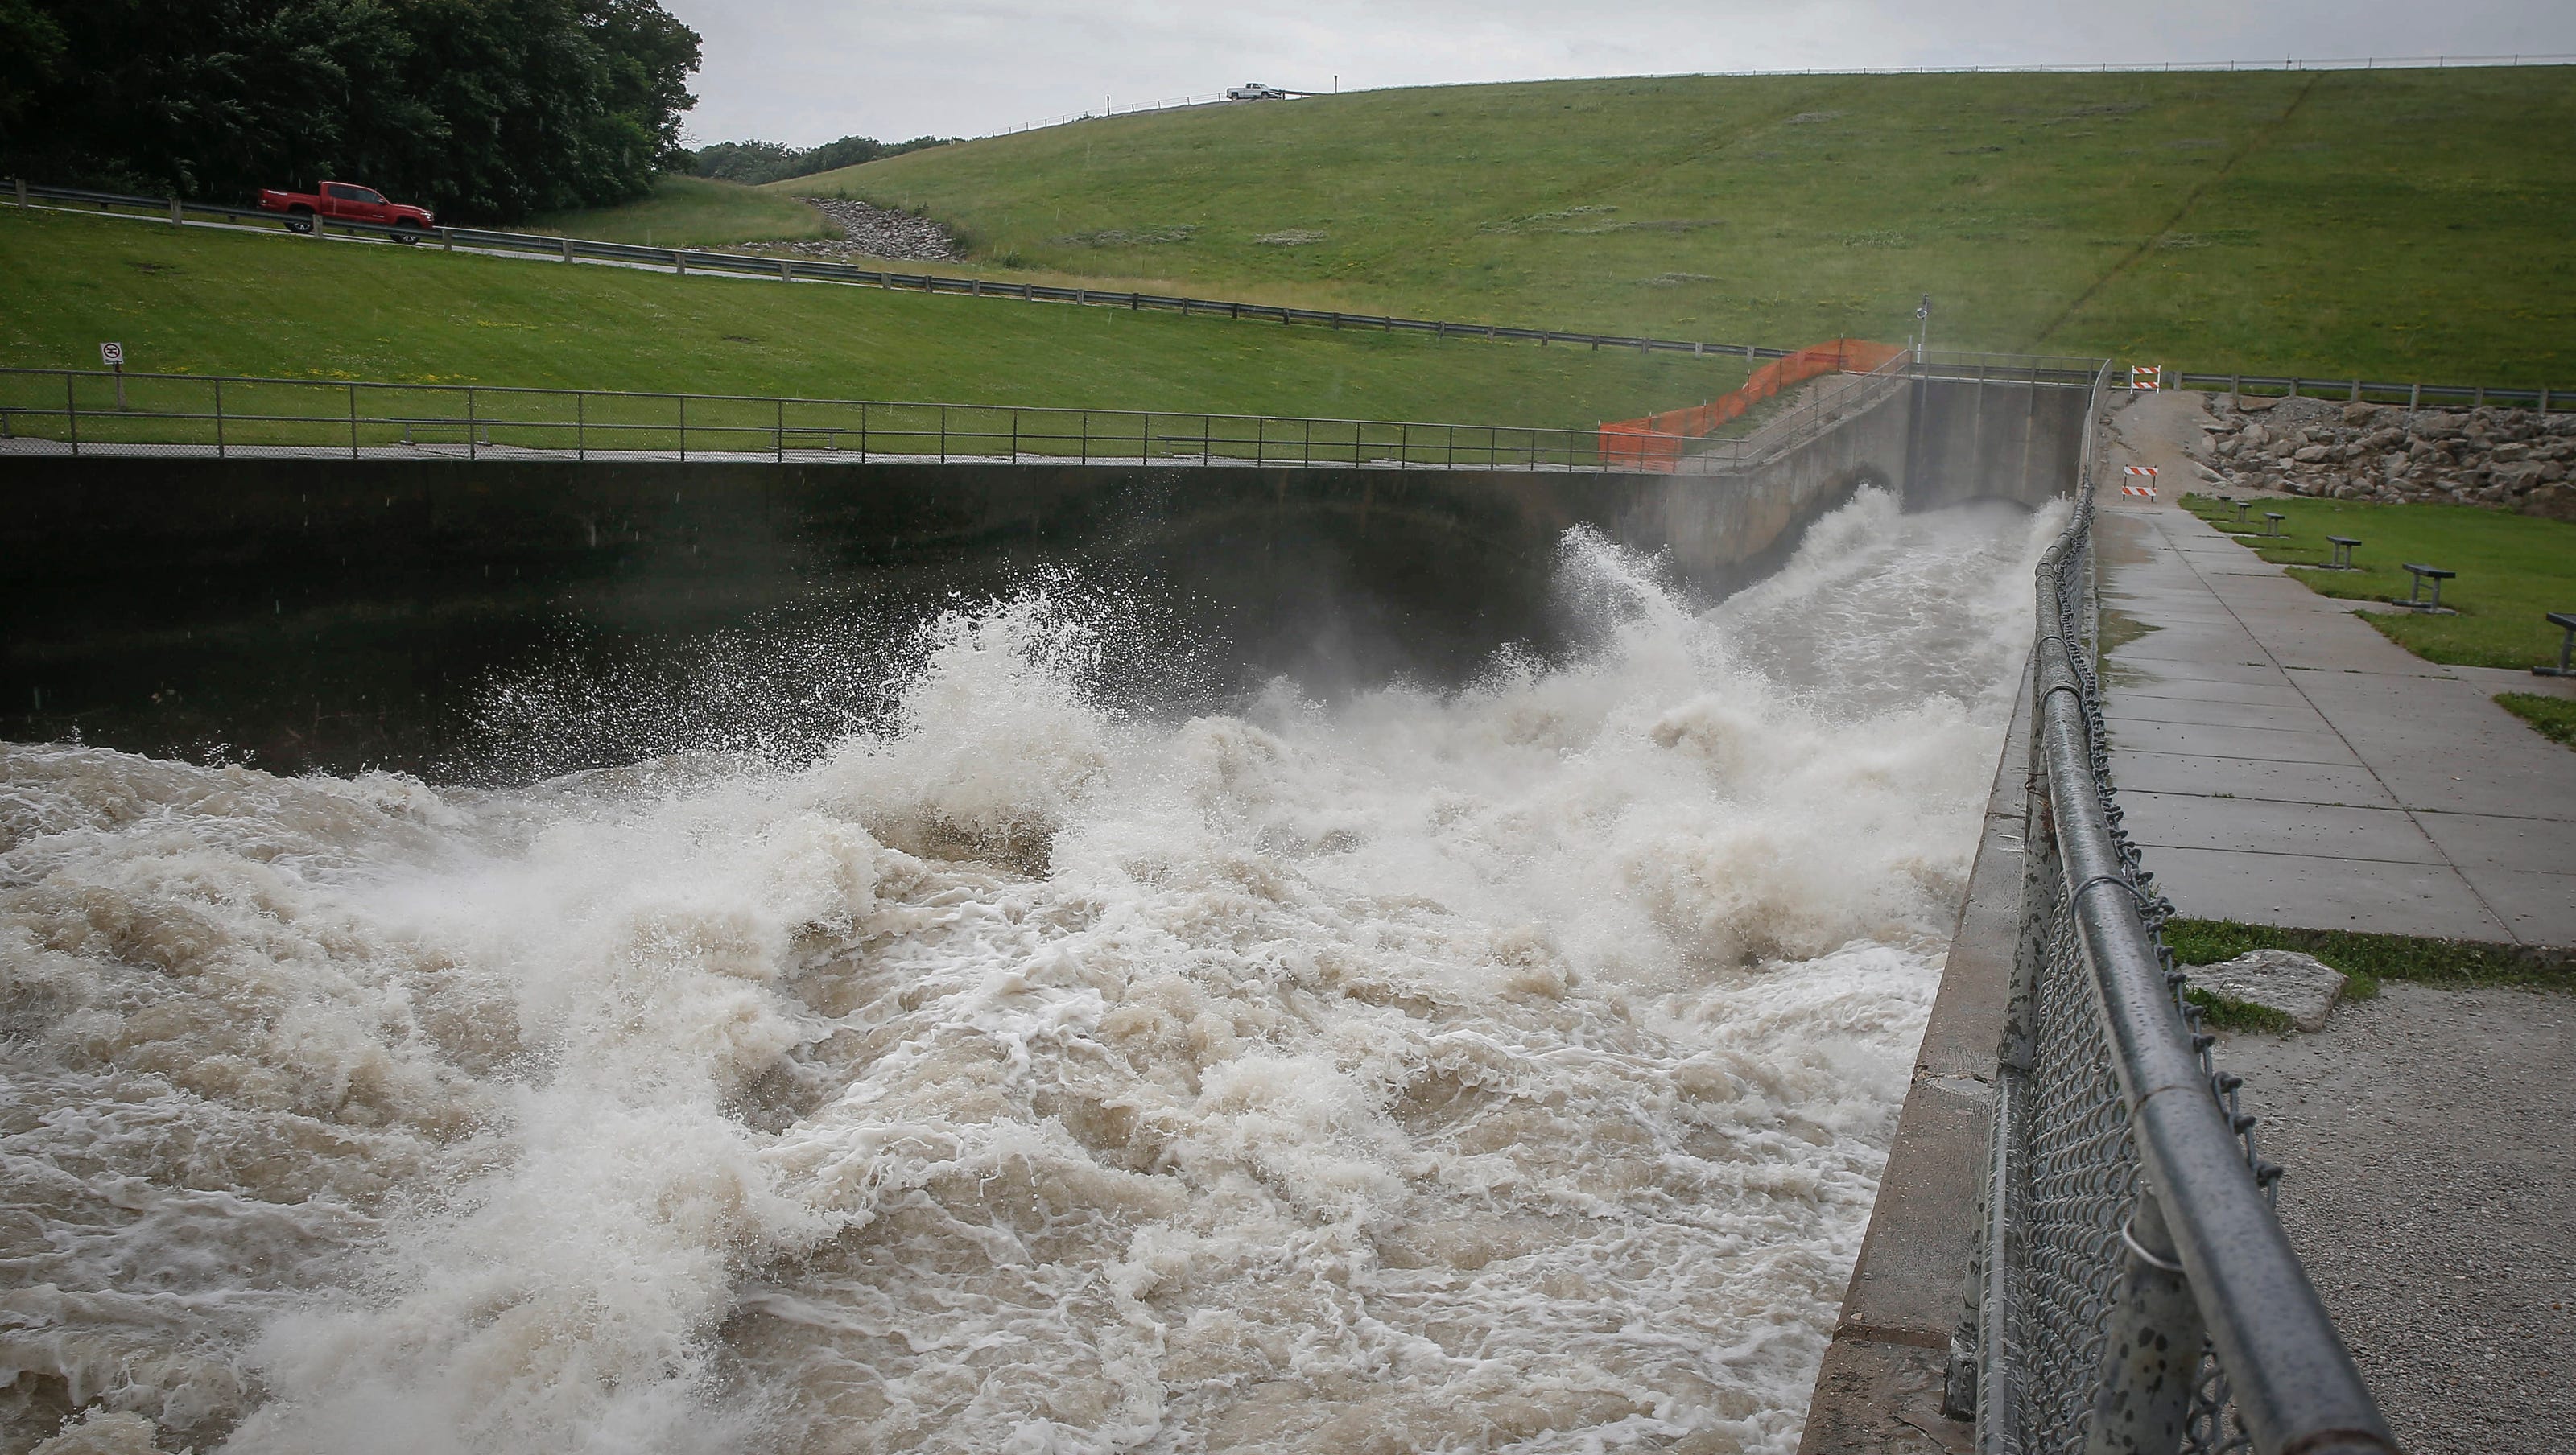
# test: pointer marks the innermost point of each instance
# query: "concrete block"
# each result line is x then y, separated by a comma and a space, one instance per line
2302, 987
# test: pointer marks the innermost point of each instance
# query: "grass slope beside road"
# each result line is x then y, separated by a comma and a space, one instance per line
2514, 570
206, 301
689, 212
2397, 224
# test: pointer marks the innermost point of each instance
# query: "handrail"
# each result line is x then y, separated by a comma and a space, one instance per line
90, 411
2410, 395
776, 425
2201, 1207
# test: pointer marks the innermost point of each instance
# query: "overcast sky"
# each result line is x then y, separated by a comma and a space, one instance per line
807, 71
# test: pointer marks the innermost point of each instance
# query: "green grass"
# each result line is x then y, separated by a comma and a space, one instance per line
2555, 717
2369, 959
211, 302
2514, 569
2227, 1013
2397, 224
690, 212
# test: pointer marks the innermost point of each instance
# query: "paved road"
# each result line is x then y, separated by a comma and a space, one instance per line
2283, 763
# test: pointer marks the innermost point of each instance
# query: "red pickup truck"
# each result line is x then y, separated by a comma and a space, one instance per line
349, 202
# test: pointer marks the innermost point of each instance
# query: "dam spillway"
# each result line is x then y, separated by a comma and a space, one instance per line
1499, 1047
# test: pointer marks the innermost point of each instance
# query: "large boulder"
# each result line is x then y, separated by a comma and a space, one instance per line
2302, 987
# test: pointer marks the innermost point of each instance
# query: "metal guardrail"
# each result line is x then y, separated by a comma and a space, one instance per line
1107, 111
89, 411
179, 212
94, 412
2132, 1290
2413, 396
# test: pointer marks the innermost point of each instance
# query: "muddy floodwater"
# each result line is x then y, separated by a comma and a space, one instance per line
1503, 1067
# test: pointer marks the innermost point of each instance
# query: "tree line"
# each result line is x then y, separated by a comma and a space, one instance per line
484, 110
755, 162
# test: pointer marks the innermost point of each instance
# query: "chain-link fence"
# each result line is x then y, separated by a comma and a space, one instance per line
2131, 1289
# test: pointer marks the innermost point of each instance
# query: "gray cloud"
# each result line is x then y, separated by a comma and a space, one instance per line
806, 71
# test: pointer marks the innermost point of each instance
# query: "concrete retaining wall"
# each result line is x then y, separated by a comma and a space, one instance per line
329, 614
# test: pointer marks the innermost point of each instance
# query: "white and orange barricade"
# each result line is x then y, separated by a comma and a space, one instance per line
2138, 481
2146, 377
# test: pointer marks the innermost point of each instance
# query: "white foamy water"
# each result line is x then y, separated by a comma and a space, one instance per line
1509, 1068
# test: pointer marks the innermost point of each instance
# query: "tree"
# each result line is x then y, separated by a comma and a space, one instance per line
755, 162
483, 109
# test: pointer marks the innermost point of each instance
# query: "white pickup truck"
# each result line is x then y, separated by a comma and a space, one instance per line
1255, 91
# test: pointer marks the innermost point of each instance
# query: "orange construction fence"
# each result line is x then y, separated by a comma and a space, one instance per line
1655, 442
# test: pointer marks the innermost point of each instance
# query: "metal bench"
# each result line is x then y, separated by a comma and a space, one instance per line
2242, 506
2342, 554
2276, 518
2415, 595
2566, 646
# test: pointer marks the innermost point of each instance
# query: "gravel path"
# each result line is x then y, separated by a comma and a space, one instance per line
2432, 1194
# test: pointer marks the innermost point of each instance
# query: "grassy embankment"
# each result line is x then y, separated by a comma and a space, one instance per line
2555, 717
2514, 569
689, 212
212, 302
2398, 224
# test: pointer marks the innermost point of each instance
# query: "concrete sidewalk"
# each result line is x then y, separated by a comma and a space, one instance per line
2283, 763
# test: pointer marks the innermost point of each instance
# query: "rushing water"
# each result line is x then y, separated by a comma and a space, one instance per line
1510, 1067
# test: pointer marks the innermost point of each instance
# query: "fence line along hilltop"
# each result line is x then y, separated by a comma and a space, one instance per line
2286, 63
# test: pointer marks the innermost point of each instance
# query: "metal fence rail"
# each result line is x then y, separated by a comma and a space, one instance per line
2132, 1290
2413, 396
91, 412
2289, 63
180, 212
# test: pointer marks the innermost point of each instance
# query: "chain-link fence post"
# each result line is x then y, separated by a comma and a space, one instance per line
2151, 1357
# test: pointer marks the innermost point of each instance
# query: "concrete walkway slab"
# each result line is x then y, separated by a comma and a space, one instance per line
2322, 893
2276, 692
2284, 763
2283, 745
2348, 784
2542, 845
2534, 905
2270, 826
2200, 712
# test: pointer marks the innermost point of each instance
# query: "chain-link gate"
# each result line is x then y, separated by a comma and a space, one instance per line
2131, 1290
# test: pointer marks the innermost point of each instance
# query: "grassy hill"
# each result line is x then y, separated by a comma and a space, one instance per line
205, 301
689, 212
2412, 224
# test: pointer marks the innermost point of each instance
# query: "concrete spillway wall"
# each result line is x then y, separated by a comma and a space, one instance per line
329, 614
